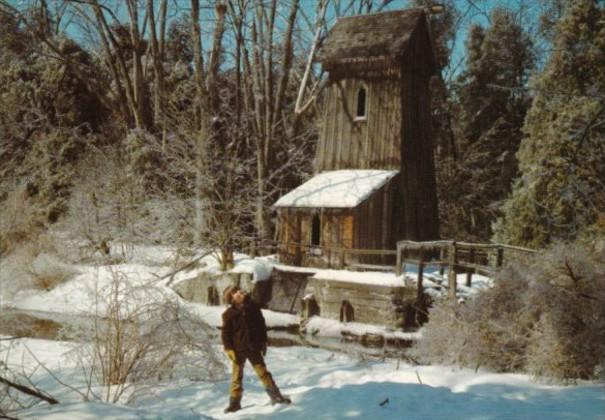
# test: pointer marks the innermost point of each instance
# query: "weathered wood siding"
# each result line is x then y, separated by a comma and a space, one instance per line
370, 143
371, 225
394, 135
290, 231
375, 223
418, 186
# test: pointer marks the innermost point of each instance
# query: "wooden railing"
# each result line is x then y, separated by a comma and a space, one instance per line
458, 257
342, 258
338, 257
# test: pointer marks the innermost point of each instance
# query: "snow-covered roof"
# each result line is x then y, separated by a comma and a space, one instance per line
345, 188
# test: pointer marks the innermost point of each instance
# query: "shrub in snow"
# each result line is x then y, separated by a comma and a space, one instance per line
141, 337
545, 316
35, 264
47, 271
567, 292
111, 204
477, 333
20, 220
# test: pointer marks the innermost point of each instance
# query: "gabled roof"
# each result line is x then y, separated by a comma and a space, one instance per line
377, 35
345, 188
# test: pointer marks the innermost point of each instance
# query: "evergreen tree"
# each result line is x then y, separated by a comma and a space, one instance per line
49, 104
492, 103
561, 192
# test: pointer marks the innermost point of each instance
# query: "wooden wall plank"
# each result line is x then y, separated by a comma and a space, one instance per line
373, 143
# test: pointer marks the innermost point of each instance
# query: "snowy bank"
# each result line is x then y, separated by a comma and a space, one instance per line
327, 385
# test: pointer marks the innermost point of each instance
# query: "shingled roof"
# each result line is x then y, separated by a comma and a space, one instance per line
370, 36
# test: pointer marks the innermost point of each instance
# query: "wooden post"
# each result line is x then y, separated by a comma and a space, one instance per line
420, 289
441, 257
469, 273
419, 286
297, 239
252, 249
398, 263
500, 257
451, 275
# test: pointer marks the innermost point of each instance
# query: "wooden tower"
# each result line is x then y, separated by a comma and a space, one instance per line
375, 181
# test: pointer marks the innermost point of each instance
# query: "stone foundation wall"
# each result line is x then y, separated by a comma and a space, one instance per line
368, 303
208, 288
284, 292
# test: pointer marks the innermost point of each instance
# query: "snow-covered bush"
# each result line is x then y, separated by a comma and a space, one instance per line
567, 293
478, 333
47, 271
33, 264
20, 220
110, 203
545, 316
140, 336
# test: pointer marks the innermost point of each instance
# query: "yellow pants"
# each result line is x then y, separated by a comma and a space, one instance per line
237, 373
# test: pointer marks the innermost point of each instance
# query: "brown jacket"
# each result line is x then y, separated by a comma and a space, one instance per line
244, 328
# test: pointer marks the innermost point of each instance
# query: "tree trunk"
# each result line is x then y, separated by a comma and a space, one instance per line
158, 59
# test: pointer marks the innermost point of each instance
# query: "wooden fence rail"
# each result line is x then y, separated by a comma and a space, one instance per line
339, 254
458, 257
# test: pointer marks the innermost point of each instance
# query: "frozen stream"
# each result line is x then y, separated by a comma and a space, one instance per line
50, 326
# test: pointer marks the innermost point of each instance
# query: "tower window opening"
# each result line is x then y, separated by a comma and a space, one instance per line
361, 103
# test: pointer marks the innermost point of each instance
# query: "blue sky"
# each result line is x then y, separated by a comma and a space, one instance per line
472, 11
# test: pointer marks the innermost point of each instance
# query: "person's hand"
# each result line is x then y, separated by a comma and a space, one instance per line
231, 355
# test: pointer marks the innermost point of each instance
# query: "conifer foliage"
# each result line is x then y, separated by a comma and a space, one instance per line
491, 103
561, 192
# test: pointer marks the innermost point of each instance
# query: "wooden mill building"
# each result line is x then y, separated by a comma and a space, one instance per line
375, 177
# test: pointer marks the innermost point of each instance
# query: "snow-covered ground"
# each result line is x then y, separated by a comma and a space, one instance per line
148, 270
322, 384
327, 385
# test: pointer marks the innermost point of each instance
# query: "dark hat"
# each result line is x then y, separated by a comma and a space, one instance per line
228, 294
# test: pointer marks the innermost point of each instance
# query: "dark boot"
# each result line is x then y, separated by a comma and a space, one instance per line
277, 397
234, 405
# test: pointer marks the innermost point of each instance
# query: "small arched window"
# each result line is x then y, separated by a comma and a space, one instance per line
347, 313
213, 298
316, 231
362, 107
310, 308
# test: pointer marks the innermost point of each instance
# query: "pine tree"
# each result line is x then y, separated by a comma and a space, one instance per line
492, 104
50, 103
561, 192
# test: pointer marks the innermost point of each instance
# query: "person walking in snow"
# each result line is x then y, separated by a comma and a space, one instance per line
244, 336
